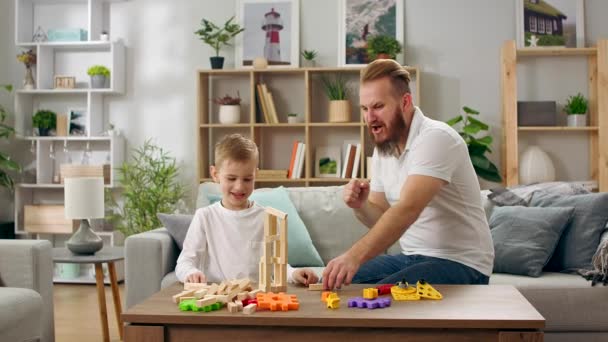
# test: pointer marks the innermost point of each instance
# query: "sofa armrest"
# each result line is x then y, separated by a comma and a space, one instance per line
149, 257
29, 264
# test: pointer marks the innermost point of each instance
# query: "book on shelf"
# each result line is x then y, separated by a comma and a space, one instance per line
345, 163
269, 100
294, 154
299, 162
302, 158
262, 102
357, 161
349, 161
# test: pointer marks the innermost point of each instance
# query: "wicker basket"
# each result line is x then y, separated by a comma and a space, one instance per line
76, 170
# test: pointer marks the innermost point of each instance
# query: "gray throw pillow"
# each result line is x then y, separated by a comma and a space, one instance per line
525, 237
177, 225
582, 236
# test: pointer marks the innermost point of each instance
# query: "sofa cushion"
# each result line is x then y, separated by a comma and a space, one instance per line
20, 314
522, 194
301, 251
581, 237
525, 238
177, 225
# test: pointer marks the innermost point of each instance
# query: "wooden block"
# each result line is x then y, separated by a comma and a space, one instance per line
244, 283
233, 307
200, 293
239, 305
315, 287
249, 309
278, 288
181, 299
212, 289
222, 288
242, 295
275, 212
232, 295
254, 293
195, 286
47, 219
176, 297
61, 127
206, 301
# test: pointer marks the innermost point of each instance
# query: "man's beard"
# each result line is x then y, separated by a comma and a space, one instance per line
398, 129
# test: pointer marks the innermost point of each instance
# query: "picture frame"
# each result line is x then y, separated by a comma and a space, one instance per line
354, 28
550, 23
327, 162
77, 122
282, 47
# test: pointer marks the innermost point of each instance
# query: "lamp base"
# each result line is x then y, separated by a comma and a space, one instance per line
84, 241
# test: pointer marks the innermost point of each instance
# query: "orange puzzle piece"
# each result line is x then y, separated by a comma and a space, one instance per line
274, 302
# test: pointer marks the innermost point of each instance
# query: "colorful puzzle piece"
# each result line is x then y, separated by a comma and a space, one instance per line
190, 305
360, 302
249, 301
325, 295
384, 289
407, 293
280, 301
425, 290
333, 301
370, 293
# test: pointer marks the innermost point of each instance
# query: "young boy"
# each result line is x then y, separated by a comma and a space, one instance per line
225, 239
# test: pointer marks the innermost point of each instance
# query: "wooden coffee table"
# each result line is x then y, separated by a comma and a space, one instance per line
466, 313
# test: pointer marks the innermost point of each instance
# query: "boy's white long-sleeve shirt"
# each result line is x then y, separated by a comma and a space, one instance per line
224, 244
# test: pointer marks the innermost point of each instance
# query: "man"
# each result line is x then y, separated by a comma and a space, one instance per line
424, 193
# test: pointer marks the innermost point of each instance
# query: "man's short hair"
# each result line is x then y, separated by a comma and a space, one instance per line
235, 147
380, 68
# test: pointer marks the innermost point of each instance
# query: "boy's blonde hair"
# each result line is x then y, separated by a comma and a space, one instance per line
380, 68
235, 147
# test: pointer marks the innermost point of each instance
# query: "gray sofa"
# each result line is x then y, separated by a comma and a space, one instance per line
572, 308
26, 303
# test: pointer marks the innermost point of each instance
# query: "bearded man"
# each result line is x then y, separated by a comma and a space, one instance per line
424, 192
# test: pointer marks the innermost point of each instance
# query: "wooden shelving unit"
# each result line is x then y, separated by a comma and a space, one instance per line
597, 61
275, 140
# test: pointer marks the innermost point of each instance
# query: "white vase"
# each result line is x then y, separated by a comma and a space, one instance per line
230, 114
292, 119
535, 166
577, 120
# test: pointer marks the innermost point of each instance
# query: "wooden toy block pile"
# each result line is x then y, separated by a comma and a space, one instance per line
274, 257
238, 295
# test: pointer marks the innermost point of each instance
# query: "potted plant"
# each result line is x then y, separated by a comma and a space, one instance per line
44, 120
576, 108
150, 186
309, 57
339, 106
7, 166
230, 109
99, 74
383, 46
216, 37
292, 118
478, 147
28, 58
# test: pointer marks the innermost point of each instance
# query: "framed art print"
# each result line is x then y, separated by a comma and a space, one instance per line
358, 20
327, 162
77, 122
272, 31
550, 23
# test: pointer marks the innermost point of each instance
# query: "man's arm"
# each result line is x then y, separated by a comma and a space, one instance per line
372, 209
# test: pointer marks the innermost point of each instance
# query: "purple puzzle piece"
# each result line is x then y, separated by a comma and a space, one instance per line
360, 302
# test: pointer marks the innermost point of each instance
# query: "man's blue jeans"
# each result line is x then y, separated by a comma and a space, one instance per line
390, 269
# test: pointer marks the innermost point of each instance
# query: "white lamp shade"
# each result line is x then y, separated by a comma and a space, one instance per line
84, 198
535, 166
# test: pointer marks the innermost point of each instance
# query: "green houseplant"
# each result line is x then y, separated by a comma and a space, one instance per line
44, 120
7, 165
468, 129
383, 46
309, 57
216, 37
150, 186
337, 93
99, 74
576, 108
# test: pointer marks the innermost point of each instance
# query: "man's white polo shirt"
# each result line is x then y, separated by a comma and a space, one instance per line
453, 226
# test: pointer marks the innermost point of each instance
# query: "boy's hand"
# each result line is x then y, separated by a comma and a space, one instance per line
305, 276
196, 277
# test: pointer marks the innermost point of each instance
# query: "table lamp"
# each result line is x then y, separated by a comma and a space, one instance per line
84, 200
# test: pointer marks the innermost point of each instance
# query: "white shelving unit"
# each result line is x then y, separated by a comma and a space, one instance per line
67, 59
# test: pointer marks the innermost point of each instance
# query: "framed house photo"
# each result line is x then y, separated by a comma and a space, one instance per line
77, 122
272, 31
550, 23
360, 19
327, 162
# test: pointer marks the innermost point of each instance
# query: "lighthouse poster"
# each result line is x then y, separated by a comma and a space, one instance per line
361, 19
271, 32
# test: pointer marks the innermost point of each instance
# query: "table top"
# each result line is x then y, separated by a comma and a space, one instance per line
106, 254
462, 307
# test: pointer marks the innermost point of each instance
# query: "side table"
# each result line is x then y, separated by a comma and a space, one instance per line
107, 255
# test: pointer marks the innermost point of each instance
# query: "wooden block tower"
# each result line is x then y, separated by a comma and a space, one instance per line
274, 253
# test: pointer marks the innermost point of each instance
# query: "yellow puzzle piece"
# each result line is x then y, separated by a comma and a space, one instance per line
404, 293
425, 290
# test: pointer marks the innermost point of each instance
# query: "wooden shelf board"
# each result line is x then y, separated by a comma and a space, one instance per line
278, 125
531, 52
59, 138
245, 71
68, 91
557, 128
217, 125
337, 124
51, 186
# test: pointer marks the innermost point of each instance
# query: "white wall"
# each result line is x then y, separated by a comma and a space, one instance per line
455, 43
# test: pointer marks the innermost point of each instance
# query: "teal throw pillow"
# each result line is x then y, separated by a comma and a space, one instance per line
301, 251
525, 237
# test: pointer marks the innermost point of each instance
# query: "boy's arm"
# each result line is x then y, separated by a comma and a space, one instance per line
195, 244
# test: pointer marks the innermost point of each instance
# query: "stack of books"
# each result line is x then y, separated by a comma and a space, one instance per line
296, 165
352, 161
266, 104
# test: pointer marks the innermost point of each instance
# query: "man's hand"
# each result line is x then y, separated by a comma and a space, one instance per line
340, 271
196, 277
305, 276
356, 193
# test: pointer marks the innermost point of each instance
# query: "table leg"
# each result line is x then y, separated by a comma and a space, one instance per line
116, 295
101, 297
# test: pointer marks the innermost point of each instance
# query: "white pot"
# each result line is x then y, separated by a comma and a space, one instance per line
577, 120
535, 166
230, 114
292, 119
